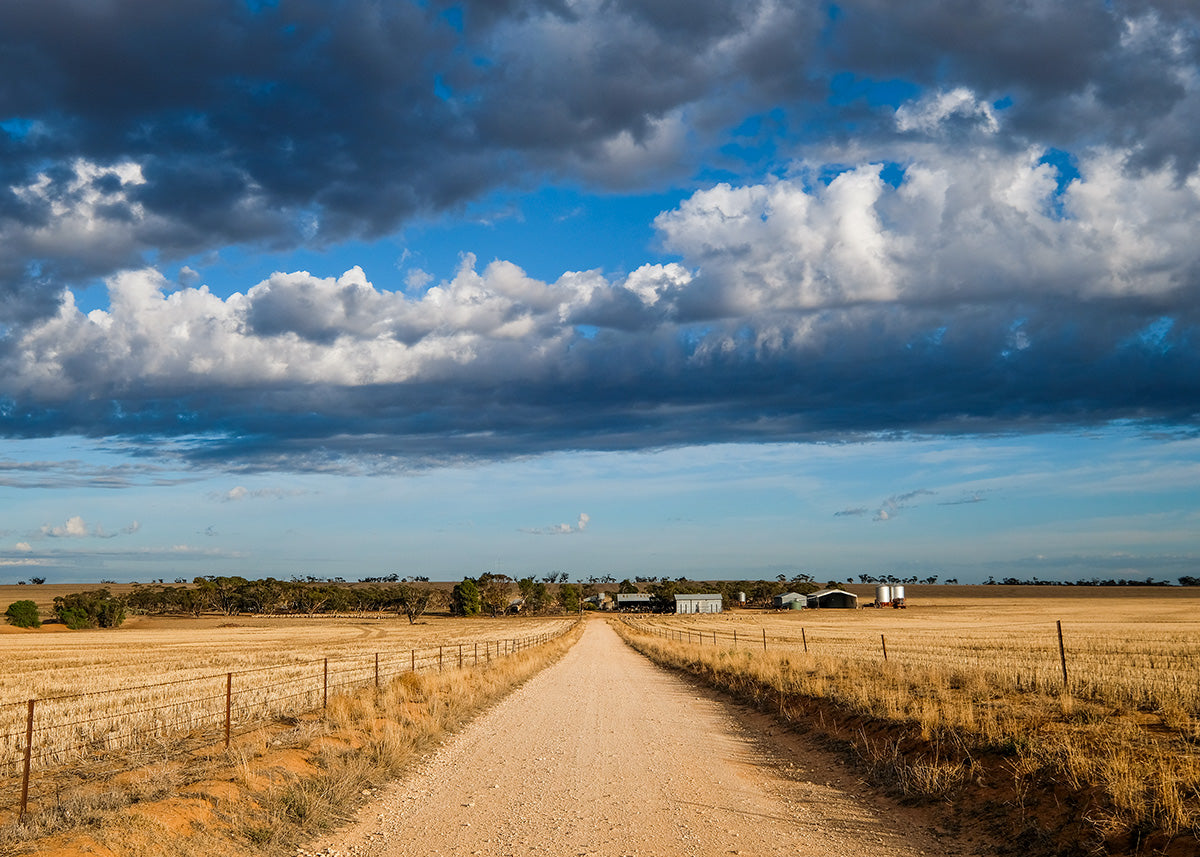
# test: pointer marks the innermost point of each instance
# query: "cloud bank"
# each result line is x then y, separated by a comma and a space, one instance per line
930, 218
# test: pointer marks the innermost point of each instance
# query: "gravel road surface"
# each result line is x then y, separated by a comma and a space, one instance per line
605, 753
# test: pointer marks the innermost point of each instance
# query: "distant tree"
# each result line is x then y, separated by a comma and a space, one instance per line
535, 593
37, 581
494, 592
568, 597
413, 600
464, 598
1189, 580
96, 608
23, 614
626, 588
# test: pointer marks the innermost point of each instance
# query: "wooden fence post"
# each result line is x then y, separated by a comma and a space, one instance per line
377, 670
804, 640
439, 658
764, 639
325, 687
460, 656
28, 763
1062, 653
228, 706
883, 640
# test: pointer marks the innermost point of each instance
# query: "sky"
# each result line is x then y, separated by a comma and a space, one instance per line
633, 287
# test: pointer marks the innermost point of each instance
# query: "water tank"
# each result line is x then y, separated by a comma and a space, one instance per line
741, 597
798, 604
883, 595
897, 596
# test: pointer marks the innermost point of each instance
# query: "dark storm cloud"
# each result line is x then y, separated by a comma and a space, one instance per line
982, 288
312, 121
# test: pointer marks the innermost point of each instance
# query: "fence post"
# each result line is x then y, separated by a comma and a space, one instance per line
28, 763
439, 658
228, 705
476, 663
460, 656
412, 655
735, 638
764, 639
804, 639
883, 640
1062, 653
377, 670
325, 687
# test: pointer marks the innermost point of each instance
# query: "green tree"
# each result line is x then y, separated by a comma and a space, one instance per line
464, 599
95, 608
568, 597
23, 614
413, 600
494, 592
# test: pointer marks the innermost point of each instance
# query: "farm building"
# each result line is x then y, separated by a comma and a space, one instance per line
788, 600
635, 601
601, 601
833, 598
698, 603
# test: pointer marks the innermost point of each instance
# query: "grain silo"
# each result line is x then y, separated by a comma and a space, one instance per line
883, 595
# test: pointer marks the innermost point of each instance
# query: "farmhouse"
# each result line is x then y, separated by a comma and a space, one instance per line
833, 598
698, 603
635, 601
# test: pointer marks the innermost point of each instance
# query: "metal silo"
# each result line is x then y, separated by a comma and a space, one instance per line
883, 595
898, 596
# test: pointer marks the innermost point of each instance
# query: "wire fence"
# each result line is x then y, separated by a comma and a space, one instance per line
128, 725
1144, 669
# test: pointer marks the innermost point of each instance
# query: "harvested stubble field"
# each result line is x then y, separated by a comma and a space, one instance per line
970, 701
156, 685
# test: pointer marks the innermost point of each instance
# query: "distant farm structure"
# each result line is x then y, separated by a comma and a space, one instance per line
698, 603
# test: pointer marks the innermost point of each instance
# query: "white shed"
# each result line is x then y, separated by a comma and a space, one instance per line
698, 603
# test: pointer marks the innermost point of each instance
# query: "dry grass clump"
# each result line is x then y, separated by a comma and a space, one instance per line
281, 783
934, 733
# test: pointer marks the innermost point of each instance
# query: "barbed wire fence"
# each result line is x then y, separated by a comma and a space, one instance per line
169, 718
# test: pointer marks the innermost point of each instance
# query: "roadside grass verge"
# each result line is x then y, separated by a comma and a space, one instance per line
1048, 774
279, 785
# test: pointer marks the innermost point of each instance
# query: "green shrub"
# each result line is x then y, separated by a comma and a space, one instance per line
23, 614
96, 608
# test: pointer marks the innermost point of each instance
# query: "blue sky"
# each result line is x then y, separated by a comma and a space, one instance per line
634, 288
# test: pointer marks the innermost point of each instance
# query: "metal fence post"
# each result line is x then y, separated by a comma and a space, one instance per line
228, 706
325, 686
377, 670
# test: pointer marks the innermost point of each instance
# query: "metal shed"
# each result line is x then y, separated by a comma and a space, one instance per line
787, 599
636, 601
698, 603
833, 598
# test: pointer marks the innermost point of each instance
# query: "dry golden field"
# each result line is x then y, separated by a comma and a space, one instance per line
153, 680
1114, 758
1137, 647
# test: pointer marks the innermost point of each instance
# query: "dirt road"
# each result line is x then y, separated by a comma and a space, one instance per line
607, 754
